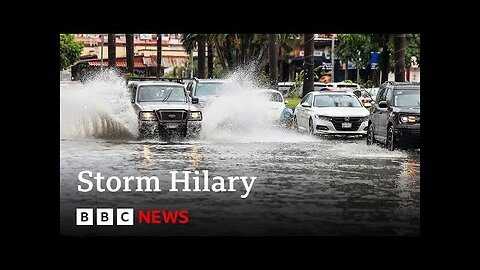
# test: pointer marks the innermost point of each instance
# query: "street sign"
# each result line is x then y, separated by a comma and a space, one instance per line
145, 36
374, 57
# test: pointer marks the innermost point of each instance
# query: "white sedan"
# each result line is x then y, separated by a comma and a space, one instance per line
275, 104
336, 113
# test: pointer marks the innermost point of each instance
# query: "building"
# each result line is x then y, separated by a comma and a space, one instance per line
145, 50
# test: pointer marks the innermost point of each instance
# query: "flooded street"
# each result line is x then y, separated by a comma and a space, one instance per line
317, 187
305, 186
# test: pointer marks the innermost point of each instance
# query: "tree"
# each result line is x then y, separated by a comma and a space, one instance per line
239, 49
413, 49
201, 58
130, 52
273, 59
112, 53
308, 64
400, 47
70, 50
356, 48
210, 60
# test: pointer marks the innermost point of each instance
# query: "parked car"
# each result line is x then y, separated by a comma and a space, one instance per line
284, 87
368, 95
343, 84
395, 117
331, 113
207, 90
164, 108
275, 104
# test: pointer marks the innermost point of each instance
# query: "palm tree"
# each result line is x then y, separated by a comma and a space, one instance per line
308, 64
159, 56
399, 43
210, 60
130, 52
201, 57
112, 58
385, 57
273, 59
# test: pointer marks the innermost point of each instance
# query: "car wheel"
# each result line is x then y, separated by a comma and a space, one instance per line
295, 123
390, 139
310, 126
370, 135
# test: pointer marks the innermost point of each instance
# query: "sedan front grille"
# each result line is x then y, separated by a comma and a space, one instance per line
337, 123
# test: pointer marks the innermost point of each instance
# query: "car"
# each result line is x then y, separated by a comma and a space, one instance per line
343, 84
207, 90
395, 117
368, 95
284, 87
331, 113
164, 108
275, 104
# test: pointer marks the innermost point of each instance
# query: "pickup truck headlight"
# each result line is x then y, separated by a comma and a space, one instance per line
148, 116
408, 119
195, 116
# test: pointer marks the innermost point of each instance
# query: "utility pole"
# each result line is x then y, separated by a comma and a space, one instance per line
399, 43
308, 64
112, 53
332, 58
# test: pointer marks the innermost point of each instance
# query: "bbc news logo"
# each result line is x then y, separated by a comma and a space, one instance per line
126, 216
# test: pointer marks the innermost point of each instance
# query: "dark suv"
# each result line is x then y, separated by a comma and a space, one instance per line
395, 117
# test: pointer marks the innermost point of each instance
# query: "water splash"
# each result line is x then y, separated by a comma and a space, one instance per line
100, 108
240, 115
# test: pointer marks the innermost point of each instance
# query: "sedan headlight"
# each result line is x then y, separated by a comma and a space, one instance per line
195, 116
324, 118
148, 116
364, 119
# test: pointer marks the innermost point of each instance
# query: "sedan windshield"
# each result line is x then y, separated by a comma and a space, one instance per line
336, 101
161, 93
407, 98
210, 89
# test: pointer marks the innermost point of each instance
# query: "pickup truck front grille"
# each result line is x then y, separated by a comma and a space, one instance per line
173, 116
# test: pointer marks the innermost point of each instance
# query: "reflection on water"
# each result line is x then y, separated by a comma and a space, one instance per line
319, 187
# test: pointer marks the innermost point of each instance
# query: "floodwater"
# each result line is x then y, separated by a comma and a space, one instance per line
305, 185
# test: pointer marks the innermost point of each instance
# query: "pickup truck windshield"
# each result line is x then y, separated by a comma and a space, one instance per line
161, 93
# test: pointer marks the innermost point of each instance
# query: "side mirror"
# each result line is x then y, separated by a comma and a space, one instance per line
305, 104
383, 104
286, 101
133, 100
195, 100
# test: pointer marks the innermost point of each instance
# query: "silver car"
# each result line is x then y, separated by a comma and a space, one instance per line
164, 108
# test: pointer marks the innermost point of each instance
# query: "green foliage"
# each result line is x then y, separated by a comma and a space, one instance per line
413, 49
356, 48
292, 102
70, 50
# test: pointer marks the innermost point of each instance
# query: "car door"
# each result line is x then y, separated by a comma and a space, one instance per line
376, 112
383, 116
307, 110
